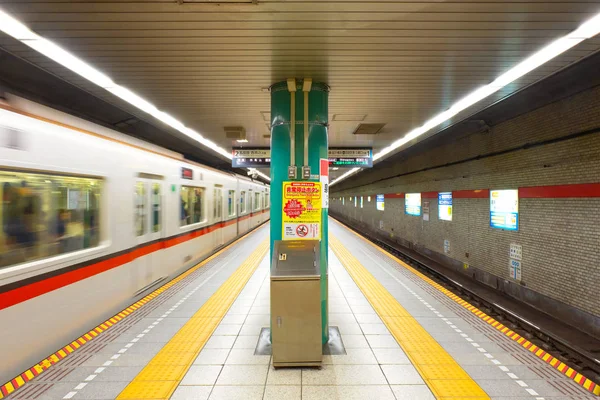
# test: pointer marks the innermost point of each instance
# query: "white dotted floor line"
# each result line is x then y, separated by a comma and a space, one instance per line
489, 356
144, 332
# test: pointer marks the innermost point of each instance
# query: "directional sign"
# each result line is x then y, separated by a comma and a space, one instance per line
248, 157
251, 157
351, 157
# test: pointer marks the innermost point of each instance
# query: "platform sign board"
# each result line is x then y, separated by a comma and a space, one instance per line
514, 269
301, 214
504, 209
248, 157
351, 157
380, 202
445, 206
324, 179
412, 204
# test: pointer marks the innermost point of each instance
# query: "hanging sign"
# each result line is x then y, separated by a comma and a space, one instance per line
301, 217
351, 157
250, 157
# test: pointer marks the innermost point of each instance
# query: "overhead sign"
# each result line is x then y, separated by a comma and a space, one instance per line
248, 157
504, 209
301, 216
251, 157
380, 202
412, 204
351, 157
445, 206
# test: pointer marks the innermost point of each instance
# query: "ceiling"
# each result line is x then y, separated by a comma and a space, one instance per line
392, 62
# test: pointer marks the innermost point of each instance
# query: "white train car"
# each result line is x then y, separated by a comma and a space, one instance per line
93, 220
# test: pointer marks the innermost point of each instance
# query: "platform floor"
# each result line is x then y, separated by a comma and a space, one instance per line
404, 338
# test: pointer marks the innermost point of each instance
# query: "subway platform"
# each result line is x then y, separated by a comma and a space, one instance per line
404, 337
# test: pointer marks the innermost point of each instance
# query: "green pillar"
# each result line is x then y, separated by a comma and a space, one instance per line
280, 160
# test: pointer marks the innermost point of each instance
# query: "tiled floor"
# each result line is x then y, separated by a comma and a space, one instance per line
374, 367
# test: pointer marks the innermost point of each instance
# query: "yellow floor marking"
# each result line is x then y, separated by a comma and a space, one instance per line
445, 378
160, 378
581, 380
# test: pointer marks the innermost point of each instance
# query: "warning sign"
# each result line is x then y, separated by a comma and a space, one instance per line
301, 217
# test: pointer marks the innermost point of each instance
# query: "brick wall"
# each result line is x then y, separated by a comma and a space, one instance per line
560, 236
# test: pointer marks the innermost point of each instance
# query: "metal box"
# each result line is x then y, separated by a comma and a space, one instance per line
296, 304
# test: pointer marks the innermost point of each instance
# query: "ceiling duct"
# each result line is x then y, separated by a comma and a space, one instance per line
235, 132
368, 129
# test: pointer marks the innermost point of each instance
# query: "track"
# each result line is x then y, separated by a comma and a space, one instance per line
579, 351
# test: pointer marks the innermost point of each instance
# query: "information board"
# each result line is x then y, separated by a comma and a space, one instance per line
380, 201
301, 214
412, 203
504, 209
445, 206
251, 157
351, 157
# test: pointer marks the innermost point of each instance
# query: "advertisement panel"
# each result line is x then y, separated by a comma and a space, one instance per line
445, 206
380, 200
504, 209
412, 203
301, 218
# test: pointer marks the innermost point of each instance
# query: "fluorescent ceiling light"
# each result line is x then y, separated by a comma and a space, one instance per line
587, 30
21, 32
242, 140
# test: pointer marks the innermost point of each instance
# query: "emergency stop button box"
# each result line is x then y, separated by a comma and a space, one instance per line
296, 304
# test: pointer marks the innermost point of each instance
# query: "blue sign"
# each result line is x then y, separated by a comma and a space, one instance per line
504, 209
380, 202
445, 206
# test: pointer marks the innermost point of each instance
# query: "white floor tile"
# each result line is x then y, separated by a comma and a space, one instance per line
374, 392
402, 375
210, 356
220, 342
382, 342
344, 375
191, 393
283, 393
237, 393
243, 375
201, 375
246, 357
412, 392
284, 376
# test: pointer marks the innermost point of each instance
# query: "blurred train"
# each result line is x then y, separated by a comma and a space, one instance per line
92, 220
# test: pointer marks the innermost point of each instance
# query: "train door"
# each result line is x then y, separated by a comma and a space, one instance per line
148, 223
218, 215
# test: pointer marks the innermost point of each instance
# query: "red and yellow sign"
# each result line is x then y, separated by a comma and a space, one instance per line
301, 217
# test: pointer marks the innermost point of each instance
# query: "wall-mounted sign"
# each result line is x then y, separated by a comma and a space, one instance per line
425, 211
301, 216
412, 204
187, 173
445, 206
251, 157
504, 209
380, 200
351, 157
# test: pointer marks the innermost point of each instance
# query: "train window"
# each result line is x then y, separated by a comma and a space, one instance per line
231, 203
266, 203
46, 215
257, 201
140, 208
243, 202
192, 205
156, 207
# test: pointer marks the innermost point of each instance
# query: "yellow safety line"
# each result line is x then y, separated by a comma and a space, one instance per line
162, 375
443, 375
27, 375
554, 362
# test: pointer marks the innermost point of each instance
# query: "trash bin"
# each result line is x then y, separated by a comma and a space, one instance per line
296, 304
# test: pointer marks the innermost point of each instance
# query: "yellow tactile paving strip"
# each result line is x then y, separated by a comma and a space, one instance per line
445, 378
162, 375
20, 380
554, 362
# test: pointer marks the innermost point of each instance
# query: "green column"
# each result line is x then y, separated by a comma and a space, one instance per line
280, 160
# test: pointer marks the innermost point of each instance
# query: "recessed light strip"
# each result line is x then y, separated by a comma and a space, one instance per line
21, 32
585, 31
